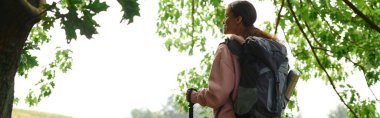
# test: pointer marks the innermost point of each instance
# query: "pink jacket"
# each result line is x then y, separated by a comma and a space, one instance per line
223, 83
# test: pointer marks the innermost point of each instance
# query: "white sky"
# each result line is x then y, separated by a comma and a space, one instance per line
127, 66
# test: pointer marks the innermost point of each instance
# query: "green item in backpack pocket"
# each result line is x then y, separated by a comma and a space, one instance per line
245, 100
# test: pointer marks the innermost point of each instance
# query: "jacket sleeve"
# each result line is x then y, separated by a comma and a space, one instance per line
221, 80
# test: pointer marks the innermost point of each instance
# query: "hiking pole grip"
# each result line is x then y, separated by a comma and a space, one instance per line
188, 98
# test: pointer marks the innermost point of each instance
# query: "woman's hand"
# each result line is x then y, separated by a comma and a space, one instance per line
188, 94
238, 38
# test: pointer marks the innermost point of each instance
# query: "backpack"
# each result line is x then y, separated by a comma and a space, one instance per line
263, 80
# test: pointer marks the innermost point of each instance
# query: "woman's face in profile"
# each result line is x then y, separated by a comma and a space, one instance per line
228, 22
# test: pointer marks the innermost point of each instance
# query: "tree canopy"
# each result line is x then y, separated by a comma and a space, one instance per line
330, 39
75, 17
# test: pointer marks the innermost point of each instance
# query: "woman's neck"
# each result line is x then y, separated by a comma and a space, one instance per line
246, 32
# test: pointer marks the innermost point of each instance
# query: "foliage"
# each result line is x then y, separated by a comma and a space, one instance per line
132, 7
185, 27
328, 38
336, 36
74, 16
365, 109
62, 62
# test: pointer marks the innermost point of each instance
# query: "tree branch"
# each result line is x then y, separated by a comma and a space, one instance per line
364, 17
192, 18
373, 94
364, 71
287, 42
279, 16
335, 33
34, 11
321, 48
323, 19
312, 34
331, 28
316, 57
355, 63
192, 25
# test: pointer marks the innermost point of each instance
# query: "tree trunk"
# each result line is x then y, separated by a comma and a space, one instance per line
17, 18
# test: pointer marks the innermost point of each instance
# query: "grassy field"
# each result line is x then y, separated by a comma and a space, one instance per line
19, 113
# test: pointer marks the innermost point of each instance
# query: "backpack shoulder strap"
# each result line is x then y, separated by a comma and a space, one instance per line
234, 46
260, 48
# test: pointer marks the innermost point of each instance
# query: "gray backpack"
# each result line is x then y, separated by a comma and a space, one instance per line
264, 69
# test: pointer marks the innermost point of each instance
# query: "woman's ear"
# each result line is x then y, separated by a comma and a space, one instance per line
239, 19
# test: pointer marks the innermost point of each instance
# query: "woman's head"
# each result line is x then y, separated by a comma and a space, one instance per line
239, 15
239, 18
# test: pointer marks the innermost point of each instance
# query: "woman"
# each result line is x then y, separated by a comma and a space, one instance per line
225, 72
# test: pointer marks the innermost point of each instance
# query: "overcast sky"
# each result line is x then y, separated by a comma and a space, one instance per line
127, 66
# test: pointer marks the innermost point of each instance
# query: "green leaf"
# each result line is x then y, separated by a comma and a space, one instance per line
30, 99
16, 100
87, 27
27, 62
130, 9
97, 6
168, 44
69, 28
282, 24
48, 22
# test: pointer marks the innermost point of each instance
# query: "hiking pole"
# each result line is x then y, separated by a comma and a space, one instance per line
191, 109
188, 98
